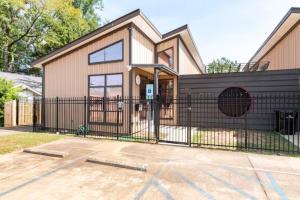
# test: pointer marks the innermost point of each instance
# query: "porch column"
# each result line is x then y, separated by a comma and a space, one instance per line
155, 78
156, 101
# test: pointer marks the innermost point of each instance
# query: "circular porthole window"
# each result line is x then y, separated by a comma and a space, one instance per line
234, 101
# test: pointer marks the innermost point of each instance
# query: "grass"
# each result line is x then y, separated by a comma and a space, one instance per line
133, 139
236, 140
10, 143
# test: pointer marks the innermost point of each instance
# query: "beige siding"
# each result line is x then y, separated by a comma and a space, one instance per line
142, 49
169, 44
68, 76
286, 54
186, 64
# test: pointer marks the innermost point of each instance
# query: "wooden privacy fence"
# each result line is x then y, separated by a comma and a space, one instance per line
18, 113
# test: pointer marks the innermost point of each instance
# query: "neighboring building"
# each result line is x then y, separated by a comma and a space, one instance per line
31, 85
281, 50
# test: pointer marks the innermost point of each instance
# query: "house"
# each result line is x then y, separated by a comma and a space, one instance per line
281, 49
122, 58
31, 85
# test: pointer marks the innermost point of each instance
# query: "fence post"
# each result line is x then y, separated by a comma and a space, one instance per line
85, 117
43, 117
156, 117
17, 111
56, 114
189, 118
34, 115
246, 130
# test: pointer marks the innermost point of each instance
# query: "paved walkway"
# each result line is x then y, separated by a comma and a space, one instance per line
172, 173
295, 139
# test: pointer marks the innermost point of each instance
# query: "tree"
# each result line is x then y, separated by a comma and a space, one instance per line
32, 28
222, 65
7, 93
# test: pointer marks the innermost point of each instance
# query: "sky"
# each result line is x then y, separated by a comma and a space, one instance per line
234, 29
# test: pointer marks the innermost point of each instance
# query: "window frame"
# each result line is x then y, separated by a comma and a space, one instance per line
104, 111
109, 61
173, 56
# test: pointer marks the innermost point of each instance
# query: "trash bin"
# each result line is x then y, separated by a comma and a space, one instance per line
286, 121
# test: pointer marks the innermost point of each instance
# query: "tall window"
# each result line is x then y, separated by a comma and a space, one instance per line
111, 53
103, 102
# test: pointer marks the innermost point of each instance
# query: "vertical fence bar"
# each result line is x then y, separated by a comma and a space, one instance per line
43, 117
84, 117
246, 129
156, 117
189, 116
57, 114
34, 115
118, 115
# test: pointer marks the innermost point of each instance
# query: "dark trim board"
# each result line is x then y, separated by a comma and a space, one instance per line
175, 31
178, 54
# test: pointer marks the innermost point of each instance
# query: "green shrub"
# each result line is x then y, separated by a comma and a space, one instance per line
7, 93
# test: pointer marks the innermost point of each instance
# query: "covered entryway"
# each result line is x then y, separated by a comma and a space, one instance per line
158, 112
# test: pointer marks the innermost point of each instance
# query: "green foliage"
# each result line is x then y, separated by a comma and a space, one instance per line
7, 93
222, 65
10, 143
83, 130
32, 28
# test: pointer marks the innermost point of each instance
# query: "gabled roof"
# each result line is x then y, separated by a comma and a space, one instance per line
289, 21
32, 83
139, 19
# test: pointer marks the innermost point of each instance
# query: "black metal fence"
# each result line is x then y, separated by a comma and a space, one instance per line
233, 119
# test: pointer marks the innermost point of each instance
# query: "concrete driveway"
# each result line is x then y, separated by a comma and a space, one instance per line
172, 173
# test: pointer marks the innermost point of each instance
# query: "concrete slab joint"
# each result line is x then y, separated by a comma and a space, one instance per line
126, 165
50, 153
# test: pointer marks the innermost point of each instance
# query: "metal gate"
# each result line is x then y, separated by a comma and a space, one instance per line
173, 129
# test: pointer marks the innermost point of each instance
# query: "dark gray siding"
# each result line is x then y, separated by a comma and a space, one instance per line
267, 81
270, 91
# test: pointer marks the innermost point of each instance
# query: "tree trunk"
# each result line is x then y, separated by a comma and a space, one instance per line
5, 58
11, 64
